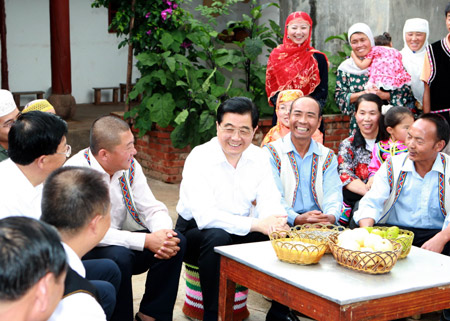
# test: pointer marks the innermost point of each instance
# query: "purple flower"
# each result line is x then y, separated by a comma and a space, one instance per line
174, 6
166, 12
149, 32
147, 15
186, 45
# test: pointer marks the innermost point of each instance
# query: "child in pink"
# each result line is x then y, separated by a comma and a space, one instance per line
397, 121
385, 66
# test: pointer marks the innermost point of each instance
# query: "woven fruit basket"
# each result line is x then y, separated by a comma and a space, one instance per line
367, 262
299, 247
321, 230
405, 238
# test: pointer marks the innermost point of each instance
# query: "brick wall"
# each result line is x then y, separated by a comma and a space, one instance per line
160, 160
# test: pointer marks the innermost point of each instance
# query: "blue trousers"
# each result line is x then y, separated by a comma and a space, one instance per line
161, 286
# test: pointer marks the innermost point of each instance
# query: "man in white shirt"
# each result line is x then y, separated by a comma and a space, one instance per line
32, 269
37, 146
141, 237
75, 200
221, 180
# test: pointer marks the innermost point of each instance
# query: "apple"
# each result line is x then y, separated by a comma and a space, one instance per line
378, 232
350, 244
347, 234
383, 246
392, 232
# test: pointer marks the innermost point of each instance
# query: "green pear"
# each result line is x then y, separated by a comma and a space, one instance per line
369, 228
392, 232
378, 232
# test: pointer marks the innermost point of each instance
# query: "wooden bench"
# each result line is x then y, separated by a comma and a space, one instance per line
98, 95
16, 94
123, 89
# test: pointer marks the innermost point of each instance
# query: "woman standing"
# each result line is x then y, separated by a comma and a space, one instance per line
355, 152
295, 64
415, 39
351, 81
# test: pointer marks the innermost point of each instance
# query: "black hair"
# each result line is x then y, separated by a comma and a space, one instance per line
72, 196
359, 139
238, 105
105, 133
447, 9
310, 97
442, 126
383, 40
395, 116
29, 249
35, 134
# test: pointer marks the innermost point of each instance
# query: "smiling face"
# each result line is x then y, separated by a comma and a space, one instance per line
360, 44
119, 158
304, 119
5, 125
235, 134
447, 21
367, 117
415, 39
283, 112
422, 141
298, 31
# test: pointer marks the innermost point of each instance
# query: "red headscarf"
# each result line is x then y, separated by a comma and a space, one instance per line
292, 66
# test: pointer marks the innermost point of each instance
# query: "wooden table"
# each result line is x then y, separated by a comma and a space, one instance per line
327, 291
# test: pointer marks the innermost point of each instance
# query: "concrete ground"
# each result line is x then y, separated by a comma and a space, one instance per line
167, 193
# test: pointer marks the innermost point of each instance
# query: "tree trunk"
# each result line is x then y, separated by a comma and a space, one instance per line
4, 57
130, 58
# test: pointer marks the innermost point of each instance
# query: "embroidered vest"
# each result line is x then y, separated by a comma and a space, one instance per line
75, 283
289, 175
132, 221
397, 181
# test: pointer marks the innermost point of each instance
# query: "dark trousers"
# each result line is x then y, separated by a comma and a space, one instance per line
105, 275
200, 252
161, 286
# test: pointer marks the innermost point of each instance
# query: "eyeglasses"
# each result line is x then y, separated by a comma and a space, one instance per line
243, 132
67, 152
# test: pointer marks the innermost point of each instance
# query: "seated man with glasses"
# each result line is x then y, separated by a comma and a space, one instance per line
222, 179
8, 114
38, 146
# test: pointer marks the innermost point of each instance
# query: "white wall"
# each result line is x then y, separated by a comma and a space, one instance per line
96, 59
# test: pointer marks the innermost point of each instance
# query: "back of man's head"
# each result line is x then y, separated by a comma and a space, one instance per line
29, 250
35, 134
72, 197
238, 105
105, 133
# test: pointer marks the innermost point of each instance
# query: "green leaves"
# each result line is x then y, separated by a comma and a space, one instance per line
161, 108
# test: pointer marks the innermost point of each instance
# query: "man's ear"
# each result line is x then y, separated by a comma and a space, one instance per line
93, 224
42, 292
41, 161
102, 154
439, 146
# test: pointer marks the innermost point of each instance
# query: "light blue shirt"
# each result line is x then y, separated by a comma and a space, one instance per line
418, 203
304, 202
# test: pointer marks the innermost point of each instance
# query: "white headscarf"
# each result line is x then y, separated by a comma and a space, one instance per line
349, 65
413, 61
7, 103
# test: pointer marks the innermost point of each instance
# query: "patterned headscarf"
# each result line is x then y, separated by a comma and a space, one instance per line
292, 66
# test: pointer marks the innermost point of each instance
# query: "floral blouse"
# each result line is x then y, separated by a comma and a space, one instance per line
347, 84
353, 162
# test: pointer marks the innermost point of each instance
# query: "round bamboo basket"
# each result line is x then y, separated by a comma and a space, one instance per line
321, 230
299, 247
367, 262
405, 238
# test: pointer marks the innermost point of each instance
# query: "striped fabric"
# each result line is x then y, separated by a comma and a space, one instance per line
193, 304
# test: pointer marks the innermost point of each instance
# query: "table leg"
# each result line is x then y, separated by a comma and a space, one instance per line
226, 296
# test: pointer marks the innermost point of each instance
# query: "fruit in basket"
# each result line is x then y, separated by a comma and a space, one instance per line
350, 244
358, 235
369, 228
392, 232
378, 232
372, 241
383, 246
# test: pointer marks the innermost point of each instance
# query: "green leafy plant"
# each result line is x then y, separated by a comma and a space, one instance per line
182, 64
335, 60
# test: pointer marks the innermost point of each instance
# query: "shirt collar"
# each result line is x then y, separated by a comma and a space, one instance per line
408, 166
289, 146
73, 260
96, 165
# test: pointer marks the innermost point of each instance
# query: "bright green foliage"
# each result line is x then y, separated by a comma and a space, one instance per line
182, 64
